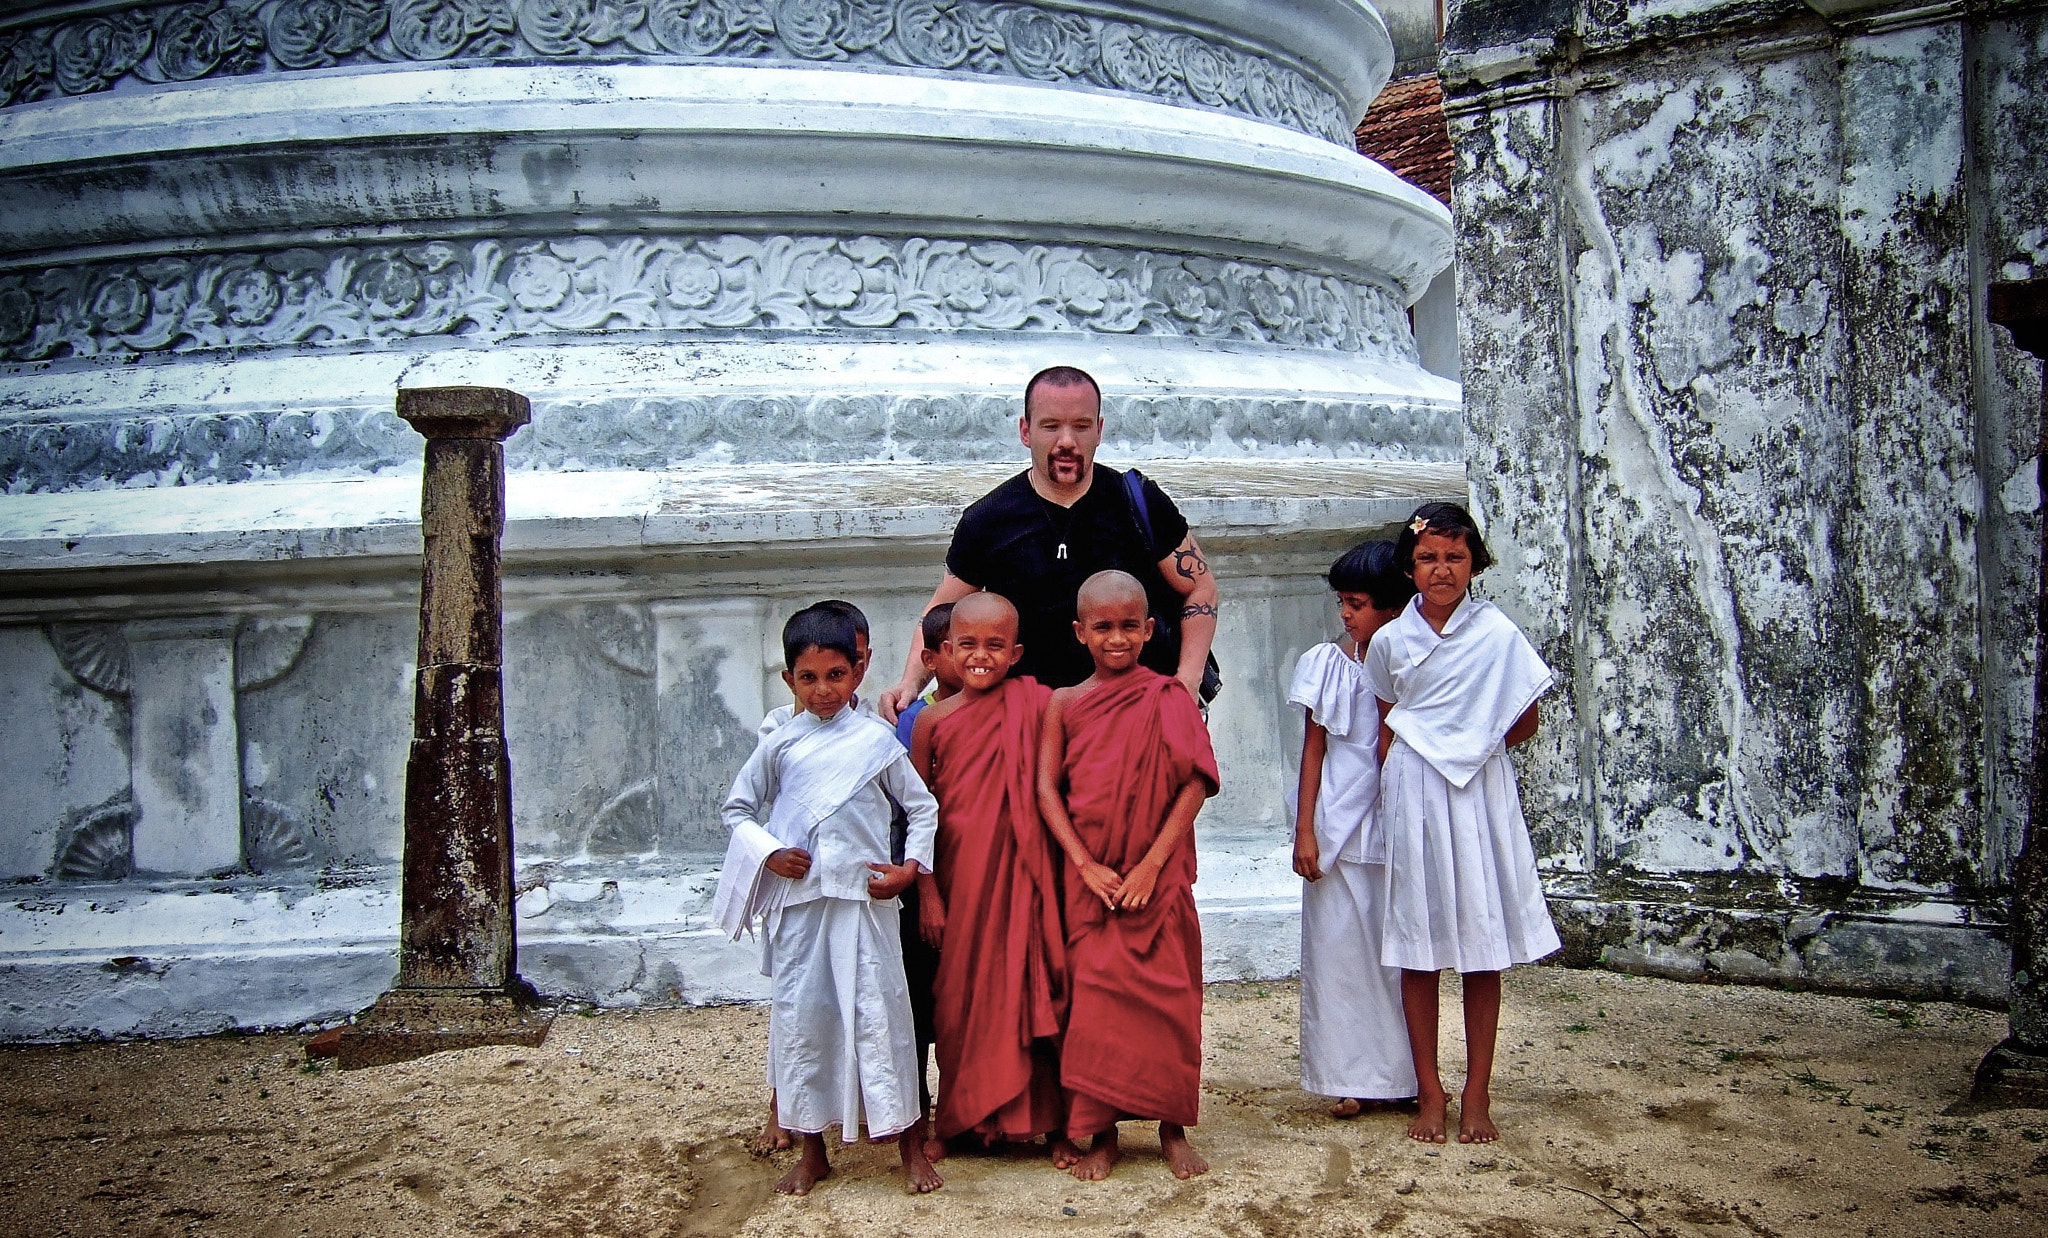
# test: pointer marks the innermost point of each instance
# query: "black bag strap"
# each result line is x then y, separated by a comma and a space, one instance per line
1134, 493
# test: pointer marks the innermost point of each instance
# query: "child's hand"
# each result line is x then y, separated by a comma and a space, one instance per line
931, 917
889, 880
1307, 856
1103, 880
790, 862
1136, 890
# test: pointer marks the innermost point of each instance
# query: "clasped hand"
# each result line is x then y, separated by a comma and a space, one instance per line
1121, 892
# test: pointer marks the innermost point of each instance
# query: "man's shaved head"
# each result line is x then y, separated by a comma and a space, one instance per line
986, 608
1111, 588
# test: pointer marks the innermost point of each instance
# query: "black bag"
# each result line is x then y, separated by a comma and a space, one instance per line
1167, 623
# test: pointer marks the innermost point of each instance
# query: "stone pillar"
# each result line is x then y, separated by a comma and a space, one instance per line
457, 980
184, 756
2016, 1072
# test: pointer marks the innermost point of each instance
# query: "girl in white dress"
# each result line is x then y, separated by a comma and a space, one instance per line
1458, 685
1354, 1044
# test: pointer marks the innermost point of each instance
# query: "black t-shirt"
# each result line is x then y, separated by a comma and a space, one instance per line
1008, 542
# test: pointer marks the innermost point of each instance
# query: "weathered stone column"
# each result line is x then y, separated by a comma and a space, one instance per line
458, 983
2016, 1072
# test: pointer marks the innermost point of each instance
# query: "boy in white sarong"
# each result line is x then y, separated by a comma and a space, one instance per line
1354, 1042
772, 1137
809, 857
1458, 685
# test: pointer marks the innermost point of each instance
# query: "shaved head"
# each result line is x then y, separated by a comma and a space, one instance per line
985, 608
1111, 588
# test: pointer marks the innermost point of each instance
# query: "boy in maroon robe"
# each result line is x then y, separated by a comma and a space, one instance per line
993, 909
1124, 764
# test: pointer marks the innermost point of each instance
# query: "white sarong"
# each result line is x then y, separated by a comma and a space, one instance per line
1354, 1041
841, 1042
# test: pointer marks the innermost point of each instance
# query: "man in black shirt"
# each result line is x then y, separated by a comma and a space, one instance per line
1037, 536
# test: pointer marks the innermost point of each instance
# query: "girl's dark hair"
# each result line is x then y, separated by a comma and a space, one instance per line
1448, 519
823, 626
1369, 568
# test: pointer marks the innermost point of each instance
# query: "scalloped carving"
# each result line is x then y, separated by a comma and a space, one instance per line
628, 824
96, 654
274, 839
622, 635
266, 650
101, 846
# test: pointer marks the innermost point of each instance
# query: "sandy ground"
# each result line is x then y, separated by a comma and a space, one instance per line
1628, 1106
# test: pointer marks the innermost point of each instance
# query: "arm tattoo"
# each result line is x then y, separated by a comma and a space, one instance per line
1196, 610
1189, 563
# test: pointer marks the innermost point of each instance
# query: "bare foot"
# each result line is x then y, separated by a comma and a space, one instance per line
1428, 1126
1475, 1117
1180, 1155
935, 1150
919, 1178
772, 1137
809, 1171
1101, 1158
1349, 1107
1065, 1153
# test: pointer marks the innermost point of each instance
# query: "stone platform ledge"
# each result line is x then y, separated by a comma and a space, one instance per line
1816, 935
189, 958
710, 510
170, 959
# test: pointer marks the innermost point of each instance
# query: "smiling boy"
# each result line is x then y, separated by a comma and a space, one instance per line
809, 858
1123, 767
992, 908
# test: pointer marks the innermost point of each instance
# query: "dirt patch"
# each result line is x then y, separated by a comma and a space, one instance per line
1628, 1105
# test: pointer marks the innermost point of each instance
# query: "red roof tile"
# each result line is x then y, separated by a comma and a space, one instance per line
1405, 130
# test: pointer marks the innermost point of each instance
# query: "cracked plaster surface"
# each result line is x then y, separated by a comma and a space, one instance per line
1751, 461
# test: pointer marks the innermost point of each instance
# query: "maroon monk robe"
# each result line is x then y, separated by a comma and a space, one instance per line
1133, 1047
1000, 993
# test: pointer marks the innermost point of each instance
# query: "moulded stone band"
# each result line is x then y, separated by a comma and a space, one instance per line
653, 432
1159, 56
512, 149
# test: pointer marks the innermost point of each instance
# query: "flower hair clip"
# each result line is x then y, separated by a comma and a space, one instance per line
1418, 526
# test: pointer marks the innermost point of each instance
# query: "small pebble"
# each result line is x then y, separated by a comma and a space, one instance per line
1069, 1211
1432, 1152
1406, 1188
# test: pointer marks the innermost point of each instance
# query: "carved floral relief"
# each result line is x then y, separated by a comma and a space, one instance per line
496, 289
186, 42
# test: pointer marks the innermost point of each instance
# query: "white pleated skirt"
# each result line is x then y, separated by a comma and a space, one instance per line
1354, 1041
1462, 890
841, 1044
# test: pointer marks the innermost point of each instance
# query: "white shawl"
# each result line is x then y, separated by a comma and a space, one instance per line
802, 773
1455, 695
